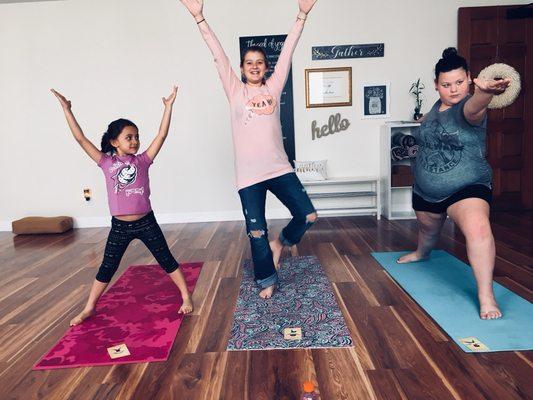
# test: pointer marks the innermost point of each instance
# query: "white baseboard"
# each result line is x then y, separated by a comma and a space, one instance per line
173, 218
92, 222
215, 216
5, 226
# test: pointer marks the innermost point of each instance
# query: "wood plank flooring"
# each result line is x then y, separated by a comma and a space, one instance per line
398, 353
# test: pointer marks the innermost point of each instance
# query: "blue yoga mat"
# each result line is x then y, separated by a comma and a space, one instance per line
445, 287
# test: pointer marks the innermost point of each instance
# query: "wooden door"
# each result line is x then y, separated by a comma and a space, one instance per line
488, 35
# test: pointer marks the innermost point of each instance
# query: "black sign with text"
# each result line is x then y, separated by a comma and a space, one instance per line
348, 51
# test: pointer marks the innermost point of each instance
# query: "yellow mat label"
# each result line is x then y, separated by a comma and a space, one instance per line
120, 350
474, 344
292, 333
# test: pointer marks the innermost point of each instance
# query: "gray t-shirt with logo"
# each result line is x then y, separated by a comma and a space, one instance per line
451, 154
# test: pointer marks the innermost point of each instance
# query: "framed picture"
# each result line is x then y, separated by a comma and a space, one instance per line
328, 87
375, 100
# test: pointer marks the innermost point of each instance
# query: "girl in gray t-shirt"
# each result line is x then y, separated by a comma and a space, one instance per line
451, 153
452, 176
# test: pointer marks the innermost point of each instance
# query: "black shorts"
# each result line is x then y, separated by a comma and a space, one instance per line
478, 191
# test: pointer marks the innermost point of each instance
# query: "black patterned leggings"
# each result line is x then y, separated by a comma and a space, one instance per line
122, 233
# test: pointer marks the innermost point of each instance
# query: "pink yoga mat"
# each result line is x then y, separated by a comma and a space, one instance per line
140, 310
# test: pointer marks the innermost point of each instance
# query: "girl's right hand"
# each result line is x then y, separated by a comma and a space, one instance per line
195, 7
66, 104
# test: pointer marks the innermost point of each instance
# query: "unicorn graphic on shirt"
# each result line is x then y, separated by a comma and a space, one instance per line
125, 177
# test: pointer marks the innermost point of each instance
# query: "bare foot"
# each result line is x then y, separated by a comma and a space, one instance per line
411, 257
187, 306
488, 308
266, 293
276, 246
78, 319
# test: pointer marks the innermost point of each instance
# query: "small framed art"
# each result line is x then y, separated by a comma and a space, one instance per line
328, 87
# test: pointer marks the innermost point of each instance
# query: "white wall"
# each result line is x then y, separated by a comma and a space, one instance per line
116, 58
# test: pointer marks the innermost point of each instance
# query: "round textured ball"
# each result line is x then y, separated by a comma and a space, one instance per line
502, 71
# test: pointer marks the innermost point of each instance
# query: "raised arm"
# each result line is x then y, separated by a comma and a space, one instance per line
158, 141
230, 81
476, 106
85, 143
281, 71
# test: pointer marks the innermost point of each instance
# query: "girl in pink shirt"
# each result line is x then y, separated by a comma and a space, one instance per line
128, 191
261, 163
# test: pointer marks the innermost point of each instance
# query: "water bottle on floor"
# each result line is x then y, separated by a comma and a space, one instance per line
309, 392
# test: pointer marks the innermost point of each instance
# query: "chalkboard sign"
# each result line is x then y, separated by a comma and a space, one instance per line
375, 100
348, 51
272, 44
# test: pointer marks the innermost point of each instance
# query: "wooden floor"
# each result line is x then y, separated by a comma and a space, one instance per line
399, 352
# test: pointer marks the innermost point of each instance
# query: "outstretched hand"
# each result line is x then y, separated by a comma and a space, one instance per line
305, 5
85, 143
195, 7
168, 101
492, 86
66, 104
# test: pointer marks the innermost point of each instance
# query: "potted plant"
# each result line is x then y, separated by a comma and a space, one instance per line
416, 90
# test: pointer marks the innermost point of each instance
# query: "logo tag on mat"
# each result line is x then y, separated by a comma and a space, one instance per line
474, 344
292, 333
118, 351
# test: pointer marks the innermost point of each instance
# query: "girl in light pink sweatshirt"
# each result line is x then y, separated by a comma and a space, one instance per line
261, 163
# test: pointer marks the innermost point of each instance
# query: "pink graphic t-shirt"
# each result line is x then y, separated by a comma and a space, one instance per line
255, 113
128, 184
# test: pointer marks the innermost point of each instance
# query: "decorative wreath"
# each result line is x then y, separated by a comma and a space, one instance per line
502, 71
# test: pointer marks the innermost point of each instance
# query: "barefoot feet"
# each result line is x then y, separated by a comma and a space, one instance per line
266, 293
187, 306
411, 257
78, 319
488, 308
276, 246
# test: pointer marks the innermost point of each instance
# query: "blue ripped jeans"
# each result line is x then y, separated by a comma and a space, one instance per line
289, 190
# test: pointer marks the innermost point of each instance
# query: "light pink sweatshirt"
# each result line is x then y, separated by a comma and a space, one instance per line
255, 115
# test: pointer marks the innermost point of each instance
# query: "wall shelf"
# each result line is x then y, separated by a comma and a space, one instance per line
396, 200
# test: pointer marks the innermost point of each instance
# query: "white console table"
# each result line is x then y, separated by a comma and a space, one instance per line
345, 196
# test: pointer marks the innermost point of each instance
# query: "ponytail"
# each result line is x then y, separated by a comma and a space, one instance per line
106, 144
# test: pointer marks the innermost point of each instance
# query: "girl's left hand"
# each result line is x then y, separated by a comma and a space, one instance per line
168, 101
492, 86
306, 5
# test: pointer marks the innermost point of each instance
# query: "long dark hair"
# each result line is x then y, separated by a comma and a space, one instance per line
113, 130
450, 60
